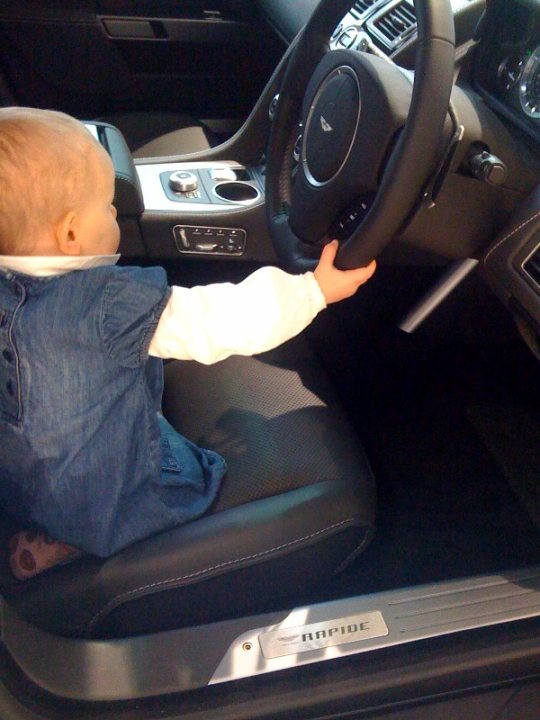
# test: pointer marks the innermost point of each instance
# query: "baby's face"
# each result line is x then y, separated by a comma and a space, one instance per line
99, 233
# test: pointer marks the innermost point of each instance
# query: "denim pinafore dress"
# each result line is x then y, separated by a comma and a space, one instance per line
85, 454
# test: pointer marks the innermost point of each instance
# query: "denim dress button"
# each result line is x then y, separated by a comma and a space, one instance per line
8, 355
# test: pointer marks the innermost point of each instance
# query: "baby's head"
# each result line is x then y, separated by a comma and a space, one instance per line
56, 187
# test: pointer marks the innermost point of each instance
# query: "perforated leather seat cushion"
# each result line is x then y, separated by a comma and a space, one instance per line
275, 418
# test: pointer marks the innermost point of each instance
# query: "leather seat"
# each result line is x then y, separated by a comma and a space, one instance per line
297, 504
153, 134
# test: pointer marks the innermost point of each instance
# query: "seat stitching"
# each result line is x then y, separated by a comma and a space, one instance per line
354, 553
514, 231
116, 600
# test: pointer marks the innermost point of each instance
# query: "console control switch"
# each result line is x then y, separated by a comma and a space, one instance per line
488, 168
183, 181
202, 240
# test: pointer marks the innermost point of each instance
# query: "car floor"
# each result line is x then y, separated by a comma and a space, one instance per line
449, 418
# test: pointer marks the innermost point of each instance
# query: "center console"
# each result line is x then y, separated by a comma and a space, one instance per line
212, 189
202, 186
202, 208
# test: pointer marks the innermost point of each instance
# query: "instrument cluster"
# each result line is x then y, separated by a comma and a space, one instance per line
508, 65
519, 80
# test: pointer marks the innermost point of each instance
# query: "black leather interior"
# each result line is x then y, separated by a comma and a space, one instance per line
297, 503
153, 134
128, 197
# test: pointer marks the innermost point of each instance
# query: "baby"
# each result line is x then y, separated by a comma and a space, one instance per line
86, 460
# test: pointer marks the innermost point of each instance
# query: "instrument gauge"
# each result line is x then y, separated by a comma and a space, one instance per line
510, 71
529, 88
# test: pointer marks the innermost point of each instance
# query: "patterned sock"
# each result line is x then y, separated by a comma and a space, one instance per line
32, 552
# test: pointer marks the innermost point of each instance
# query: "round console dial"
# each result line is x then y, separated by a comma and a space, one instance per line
183, 181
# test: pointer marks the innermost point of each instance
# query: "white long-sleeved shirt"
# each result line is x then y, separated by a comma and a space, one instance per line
210, 322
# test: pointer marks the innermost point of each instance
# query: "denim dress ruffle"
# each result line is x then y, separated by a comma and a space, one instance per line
85, 453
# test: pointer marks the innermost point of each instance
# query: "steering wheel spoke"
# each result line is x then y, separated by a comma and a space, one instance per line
349, 219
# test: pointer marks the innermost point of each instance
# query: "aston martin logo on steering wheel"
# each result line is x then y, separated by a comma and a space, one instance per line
326, 125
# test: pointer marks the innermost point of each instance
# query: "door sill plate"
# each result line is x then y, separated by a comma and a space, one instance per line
357, 625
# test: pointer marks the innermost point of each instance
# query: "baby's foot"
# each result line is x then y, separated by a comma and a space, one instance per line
32, 552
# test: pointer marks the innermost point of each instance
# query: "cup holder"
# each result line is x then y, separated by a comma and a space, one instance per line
237, 192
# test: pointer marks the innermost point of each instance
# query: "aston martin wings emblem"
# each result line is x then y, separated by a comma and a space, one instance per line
288, 638
325, 125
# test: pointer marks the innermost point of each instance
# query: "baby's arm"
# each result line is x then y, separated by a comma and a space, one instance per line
211, 322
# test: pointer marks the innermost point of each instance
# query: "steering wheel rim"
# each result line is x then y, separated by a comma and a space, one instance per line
409, 163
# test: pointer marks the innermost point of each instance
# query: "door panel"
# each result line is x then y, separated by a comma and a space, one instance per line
208, 58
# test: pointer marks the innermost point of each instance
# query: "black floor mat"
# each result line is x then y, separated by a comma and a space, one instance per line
449, 490
445, 509
512, 436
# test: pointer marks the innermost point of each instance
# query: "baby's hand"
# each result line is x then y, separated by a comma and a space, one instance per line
339, 284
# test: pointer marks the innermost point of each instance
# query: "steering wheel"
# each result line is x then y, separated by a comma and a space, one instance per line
356, 164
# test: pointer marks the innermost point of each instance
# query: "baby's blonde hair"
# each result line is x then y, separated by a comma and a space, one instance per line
43, 173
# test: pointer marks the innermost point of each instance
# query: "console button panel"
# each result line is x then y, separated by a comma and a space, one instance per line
197, 239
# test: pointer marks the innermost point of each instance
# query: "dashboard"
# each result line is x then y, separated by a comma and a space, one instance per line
388, 26
496, 99
376, 24
506, 74
507, 66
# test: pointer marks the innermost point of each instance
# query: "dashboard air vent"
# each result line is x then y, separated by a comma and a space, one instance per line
532, 266
360, 7
396, 23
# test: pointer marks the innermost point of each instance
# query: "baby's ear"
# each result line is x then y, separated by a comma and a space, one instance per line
66, 235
